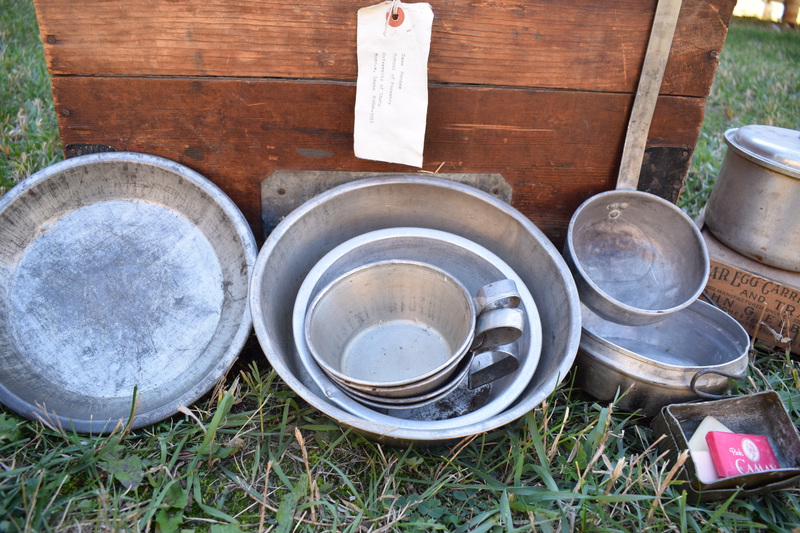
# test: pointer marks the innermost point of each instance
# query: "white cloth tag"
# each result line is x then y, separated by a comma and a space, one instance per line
392, 86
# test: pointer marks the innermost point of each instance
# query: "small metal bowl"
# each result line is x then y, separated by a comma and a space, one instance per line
390, 324
689, 355
636, 258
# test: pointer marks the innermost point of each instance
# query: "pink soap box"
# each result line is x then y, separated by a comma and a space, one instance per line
736, 454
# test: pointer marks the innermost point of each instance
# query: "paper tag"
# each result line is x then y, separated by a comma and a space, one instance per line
392, 86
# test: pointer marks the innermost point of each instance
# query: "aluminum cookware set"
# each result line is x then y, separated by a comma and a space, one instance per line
410, 308
476, 239
640, 264
402, 335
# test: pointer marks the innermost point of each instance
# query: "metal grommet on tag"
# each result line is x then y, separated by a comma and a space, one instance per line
396, 17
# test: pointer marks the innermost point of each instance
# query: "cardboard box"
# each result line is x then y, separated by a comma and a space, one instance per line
764, 299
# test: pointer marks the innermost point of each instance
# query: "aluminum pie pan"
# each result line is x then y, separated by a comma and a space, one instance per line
345, 211
474, 266
119, 272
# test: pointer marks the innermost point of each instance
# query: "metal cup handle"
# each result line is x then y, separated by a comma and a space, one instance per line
498, 327
498, 295
708, 395
491, 365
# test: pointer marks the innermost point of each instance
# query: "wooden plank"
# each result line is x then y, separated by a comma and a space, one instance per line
593, 45
556, 148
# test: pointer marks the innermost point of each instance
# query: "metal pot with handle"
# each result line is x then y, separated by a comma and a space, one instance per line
754, 203
635, 257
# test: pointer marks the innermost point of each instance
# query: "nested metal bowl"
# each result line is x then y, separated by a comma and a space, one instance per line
636, 257
387, 405
391, 324
121, 272
690, 354
309, 232
471, 264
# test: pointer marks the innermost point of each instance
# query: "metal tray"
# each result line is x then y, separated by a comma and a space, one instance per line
119, 272
761, 413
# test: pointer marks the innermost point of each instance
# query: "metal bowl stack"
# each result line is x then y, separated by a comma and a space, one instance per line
474, 238
508, 360
421, 343
391, 330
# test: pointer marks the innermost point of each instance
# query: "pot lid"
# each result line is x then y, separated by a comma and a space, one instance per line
770, 146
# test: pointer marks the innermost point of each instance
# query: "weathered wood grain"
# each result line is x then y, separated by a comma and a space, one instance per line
556, 148
592, 45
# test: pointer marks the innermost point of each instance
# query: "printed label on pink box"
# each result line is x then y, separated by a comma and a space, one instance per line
736, 453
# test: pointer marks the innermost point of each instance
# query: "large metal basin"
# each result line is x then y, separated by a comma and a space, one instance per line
119, 272
316, 227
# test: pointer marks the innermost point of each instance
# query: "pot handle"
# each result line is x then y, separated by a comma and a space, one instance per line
708, 395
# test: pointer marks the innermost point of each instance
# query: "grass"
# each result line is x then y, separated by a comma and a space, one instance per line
251, 455
757, 82
28, 128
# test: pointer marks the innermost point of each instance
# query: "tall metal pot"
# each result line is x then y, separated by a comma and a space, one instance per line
754, 204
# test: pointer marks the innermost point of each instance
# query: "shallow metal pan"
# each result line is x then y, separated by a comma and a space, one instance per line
690, 354
118, 272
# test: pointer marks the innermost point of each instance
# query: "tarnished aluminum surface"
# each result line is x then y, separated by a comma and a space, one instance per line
386, 405
636, 257
286, 190
344, 212
497, 295
489, 366
769, 146
390, 324
472, 265
658, 362
118, 271
754, 203
497, 327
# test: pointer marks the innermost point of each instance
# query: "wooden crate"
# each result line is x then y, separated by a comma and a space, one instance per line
536, 90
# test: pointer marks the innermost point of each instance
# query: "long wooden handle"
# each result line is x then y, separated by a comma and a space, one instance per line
644, 103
